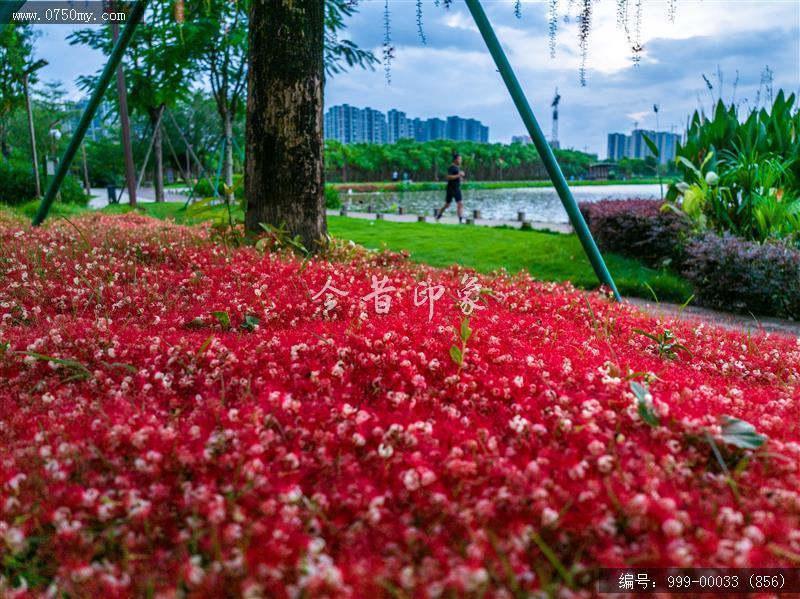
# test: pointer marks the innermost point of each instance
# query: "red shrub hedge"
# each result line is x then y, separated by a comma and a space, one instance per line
637, 228
732, 274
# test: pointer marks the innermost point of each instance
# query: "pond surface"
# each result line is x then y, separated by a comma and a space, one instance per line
540, 204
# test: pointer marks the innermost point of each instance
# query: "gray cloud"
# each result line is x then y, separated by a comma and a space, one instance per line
453, 74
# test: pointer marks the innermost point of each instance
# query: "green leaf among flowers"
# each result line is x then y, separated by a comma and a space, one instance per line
741, 434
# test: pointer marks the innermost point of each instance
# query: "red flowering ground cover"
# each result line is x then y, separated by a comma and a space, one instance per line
178, 417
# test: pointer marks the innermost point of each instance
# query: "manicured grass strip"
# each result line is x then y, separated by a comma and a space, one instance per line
547, 256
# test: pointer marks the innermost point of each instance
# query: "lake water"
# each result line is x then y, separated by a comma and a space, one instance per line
539, 203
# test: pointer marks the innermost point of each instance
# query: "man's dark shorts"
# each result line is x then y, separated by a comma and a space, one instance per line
453, 194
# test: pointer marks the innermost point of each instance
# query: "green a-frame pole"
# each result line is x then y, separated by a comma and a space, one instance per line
544, 149
495, 49
134, 17
7, 9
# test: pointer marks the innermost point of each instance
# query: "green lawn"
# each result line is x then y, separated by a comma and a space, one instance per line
547, 256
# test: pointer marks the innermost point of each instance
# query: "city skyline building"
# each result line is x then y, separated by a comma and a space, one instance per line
343, 122
373, 126
617, 146
634, 145
435, 128
349, 124
397, 126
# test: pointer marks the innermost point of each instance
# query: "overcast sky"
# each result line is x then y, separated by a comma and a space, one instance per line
454, 74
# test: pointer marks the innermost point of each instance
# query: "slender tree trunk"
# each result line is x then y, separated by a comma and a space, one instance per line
284, 163
32, 133
125, 126
86, 184
228, 164
158, 155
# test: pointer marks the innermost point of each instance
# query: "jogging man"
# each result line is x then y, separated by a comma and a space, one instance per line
454, 177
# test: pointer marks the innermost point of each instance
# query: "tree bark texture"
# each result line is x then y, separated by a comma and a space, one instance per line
284, 159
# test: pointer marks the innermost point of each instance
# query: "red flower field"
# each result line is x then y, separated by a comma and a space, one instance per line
182, 418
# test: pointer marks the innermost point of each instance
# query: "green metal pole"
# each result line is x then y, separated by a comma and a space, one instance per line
7, 9
94, 101
546, 153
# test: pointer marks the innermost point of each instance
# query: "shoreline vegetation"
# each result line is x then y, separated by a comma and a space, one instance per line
390, 186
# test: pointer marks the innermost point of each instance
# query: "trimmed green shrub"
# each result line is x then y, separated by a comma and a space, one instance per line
637, 228
732, 274
332, 199
17, 186
205, 188
72, 192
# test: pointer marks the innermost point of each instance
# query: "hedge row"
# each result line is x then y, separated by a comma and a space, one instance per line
744, 276
17, 186
637, 228
726, 272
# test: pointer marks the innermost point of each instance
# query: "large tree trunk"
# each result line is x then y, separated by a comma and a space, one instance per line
228, 165
284, 162
158, 155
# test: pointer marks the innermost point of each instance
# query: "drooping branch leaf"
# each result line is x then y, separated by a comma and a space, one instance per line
343, 54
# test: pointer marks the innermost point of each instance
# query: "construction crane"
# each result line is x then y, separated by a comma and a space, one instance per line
554, 134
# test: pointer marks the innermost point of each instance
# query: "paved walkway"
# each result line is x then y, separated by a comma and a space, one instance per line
144, 194
450, 219
737, 322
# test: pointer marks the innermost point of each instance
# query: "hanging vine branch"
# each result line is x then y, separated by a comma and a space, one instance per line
622, 15
388, 49
627, 19
637, 34
671, 10
552, 25
420, 30
585, 23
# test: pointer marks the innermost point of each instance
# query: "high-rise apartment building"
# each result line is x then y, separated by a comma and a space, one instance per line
343, 123
435, 129
617, 146
667, 144
348, 125
456, 128
419, 130
397, 126
373, 124
634, 145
